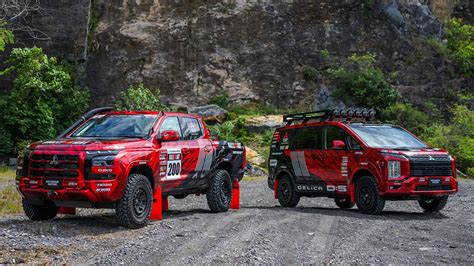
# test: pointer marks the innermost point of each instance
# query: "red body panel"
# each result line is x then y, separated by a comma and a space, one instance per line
193, 161
333, 172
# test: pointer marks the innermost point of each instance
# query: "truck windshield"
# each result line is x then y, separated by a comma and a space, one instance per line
388, 137
117, 126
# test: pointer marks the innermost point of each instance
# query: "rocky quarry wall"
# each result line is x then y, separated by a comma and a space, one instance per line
255, 50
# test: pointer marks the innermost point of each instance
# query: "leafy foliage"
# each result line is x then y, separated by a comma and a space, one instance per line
457, 137
309, 73
362, 83
407, 116
139, 97
44, 99
6, 36
461, 43
221, 99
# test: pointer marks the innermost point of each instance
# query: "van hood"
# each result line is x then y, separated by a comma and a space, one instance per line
84, 144
416, 152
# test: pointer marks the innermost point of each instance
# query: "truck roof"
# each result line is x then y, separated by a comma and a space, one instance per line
149, 113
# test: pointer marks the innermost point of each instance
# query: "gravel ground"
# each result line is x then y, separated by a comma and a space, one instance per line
261, 232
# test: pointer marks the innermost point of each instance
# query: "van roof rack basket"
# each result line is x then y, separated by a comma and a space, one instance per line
338, 114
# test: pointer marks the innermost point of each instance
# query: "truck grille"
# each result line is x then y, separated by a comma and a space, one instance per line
429, 188
54, 165
430, 165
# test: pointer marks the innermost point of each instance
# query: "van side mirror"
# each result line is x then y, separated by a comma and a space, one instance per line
338, 145
168, 135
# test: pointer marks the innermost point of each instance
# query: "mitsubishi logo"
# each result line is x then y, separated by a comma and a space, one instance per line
55, 160
431, 158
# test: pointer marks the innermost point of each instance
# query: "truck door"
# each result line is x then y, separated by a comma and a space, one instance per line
198, 154
172, 151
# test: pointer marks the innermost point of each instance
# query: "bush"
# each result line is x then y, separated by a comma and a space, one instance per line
457, 137
407, 116
44, 100
138, 97
6, 36
461, 44
221, 99
309, 73
362, 83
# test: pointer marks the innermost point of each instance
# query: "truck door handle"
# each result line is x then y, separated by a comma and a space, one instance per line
185, 150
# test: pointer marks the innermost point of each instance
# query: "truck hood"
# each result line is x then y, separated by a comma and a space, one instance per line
83, 144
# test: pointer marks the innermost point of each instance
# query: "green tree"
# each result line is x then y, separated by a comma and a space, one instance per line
138, 97
6, 36
407, 116
362, 83
457, 137
460, 38
44, 100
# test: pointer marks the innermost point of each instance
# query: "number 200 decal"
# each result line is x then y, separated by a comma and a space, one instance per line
173, 170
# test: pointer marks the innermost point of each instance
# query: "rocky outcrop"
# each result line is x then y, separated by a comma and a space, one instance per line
212, 113
254, 50
261, 124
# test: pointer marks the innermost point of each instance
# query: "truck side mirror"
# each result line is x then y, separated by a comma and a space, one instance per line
168, 135
338, 145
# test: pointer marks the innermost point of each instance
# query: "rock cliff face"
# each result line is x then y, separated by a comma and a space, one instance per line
255, 50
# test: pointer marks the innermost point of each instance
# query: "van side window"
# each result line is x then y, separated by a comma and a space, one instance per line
191, 128
352, 144
307, 138
332, 133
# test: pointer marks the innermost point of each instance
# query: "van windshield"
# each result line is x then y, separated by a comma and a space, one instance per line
387, 136
117, 126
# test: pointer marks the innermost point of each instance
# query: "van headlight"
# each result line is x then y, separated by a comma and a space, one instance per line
393, 169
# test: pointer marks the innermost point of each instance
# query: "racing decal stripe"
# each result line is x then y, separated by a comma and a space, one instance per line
207, 161
302, 162
295, 163
200, 160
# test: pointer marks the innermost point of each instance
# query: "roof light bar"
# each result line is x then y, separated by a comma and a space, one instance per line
329, 115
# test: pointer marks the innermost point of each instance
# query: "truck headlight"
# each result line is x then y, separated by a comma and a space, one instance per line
103, 160
393, 169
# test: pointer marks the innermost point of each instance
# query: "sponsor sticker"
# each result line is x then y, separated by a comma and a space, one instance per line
273, 162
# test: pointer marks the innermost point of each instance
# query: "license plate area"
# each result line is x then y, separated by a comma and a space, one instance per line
435, 182
52, 184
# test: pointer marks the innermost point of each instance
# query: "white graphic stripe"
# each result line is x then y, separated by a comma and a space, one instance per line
295, 163
302, 162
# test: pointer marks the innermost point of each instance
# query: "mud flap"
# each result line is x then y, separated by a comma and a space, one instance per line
66, 210
275, 189
235, 202
157, 207
165, 204
352, 193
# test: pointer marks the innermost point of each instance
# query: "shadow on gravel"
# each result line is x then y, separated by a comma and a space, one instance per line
354, 213
68, 226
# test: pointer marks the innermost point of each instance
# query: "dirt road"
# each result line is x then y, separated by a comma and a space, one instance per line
261, 232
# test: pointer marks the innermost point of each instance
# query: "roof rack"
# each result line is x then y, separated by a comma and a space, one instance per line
338, 114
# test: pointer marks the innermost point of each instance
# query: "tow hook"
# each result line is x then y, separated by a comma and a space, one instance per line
52, 193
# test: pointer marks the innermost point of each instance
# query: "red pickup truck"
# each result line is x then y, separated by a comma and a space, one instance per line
130, 161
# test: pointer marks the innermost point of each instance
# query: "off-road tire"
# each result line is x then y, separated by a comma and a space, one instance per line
287, 196
219, 193
40, 212
367, 198
433, 205
134, 208
343, 203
